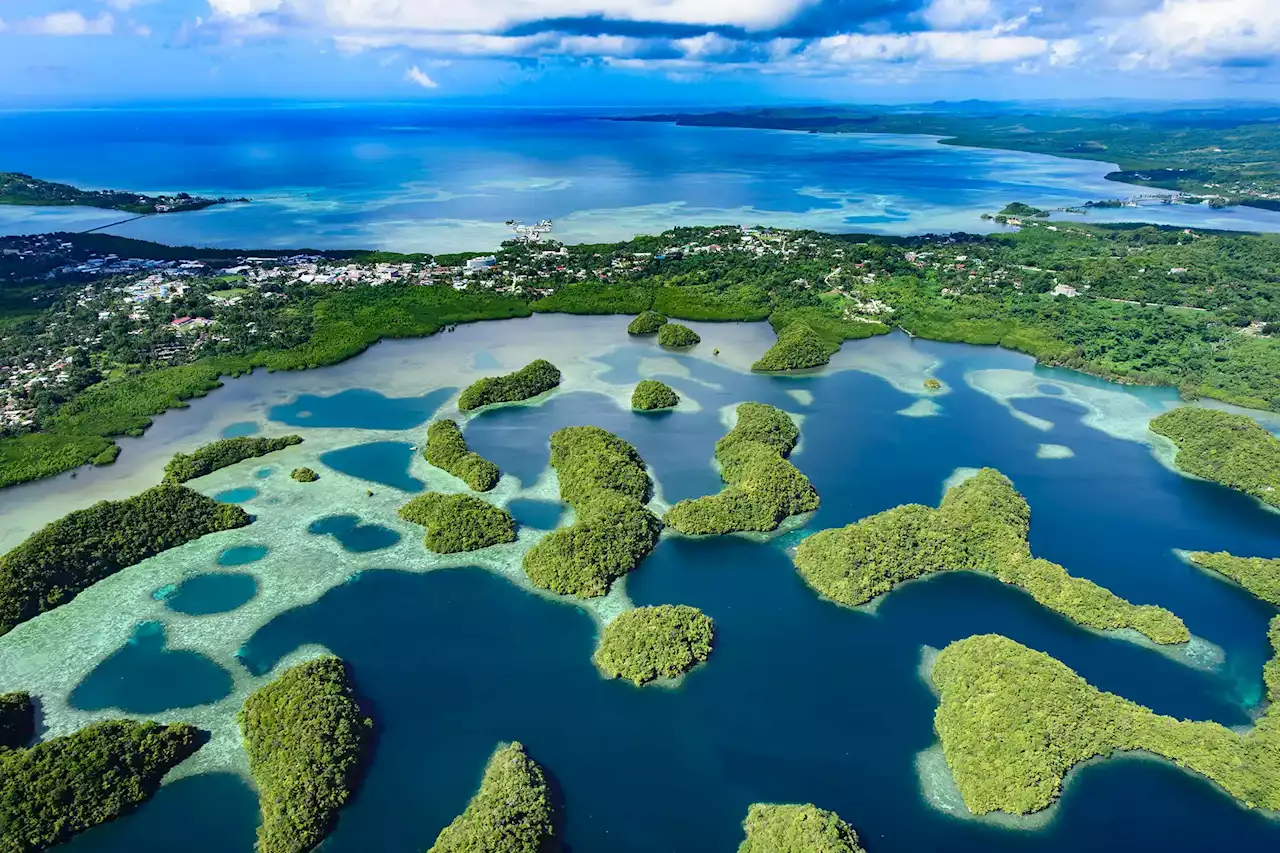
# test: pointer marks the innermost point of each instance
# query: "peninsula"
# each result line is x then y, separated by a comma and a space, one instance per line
981, 526
1013, 721
513, 811
20, 189
1234, 450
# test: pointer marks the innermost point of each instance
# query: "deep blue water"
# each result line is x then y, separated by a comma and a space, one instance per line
360, 408
543, 515
219, 592
353, 534
801, 701
145, 677
413, 178
382, 462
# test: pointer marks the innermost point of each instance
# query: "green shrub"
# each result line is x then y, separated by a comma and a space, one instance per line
534, 378
655, 642
647, 323
222, 454
304, 475
981, 526
107, 456
605, 481
796, 829
1259, 575
71, 554
307, 739
60, 788
447, 450
651, 395
798, 347
17, 720
1233, 450
932, 384
512, 812
676, 336
763, 487
459, 522
1013, 721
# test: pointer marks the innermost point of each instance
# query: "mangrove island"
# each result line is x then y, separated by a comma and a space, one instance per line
459, 522
647, 323
447, 450
1013, 721
763, 486
604, 479
513, 811
1233, 450
655, 642
308, 739
222, 454
677, 336
981, 526
652, 396
796, 829
71, 554
536, 377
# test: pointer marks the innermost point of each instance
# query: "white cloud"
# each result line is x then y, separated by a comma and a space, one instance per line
69, 23
974, 47
1204, 30
418, 76
498, 15
478, 45
952, 14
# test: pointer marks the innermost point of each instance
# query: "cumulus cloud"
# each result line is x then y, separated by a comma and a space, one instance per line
976, 47
500, 15
1211, 31
419, 77
952, 14
68, 23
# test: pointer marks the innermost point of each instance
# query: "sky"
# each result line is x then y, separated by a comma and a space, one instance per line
642, 52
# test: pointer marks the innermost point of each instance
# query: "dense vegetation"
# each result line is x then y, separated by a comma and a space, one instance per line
655, 642
332, 328
605, 481
1234, 450
304, 475
17, 720
221, 454
1013, 721
16, 188
459, 522
61, 787
307, 739
1259, 575
647, 323
796, 829
798, 346
71, 554
447, 450
981, 526
651, 395
763, 487
536, 377
677, 336
513, 812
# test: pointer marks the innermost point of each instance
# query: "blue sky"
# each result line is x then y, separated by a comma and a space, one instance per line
675, 52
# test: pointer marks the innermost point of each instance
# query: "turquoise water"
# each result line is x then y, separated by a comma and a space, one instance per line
203, 595
238, 495
801, 700
412, 178
240, 429
360, 408
382, 462
354, 535
145, 677
241, 555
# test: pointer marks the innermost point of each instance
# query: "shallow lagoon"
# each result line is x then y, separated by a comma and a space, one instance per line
801, 701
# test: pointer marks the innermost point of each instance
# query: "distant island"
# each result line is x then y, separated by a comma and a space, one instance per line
19, 189
1221, 156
